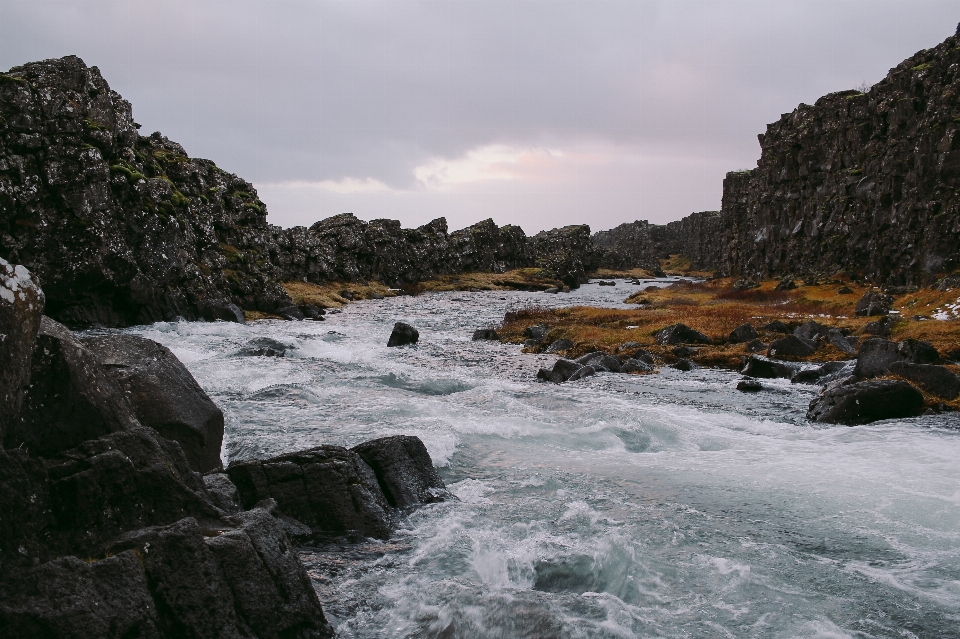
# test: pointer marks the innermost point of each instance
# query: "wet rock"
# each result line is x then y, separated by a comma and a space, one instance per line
600, 361
312, 312
786, 284
290, 312
684, 365
759, 366
404, 470
583, 371
163, 394
776, 326
811, 330
825, 372
636, 366
743, 333
607, 283
881, 327
681, 334
221, 310
934, 379
749, 385
403, 334
864, 402
21, 306
485, 334
329, 488
561, 371
874, 303
537, 332
559, 345
122, 482
792, 346
69, 597
222, 492
25, 511
757, 346
71, 397
553, 290
265, 347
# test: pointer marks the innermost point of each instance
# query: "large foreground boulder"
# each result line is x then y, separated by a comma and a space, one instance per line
876, 355
21, 306
164, 395
934, 379
864, 402
328, 488
404, 470
71, 398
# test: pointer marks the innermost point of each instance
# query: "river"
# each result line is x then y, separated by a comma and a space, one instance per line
666, 505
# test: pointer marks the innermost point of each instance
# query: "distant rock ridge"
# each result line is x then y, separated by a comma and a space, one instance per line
123, 229
866, 184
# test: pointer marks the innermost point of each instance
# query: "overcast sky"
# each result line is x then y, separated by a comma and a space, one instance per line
533, 112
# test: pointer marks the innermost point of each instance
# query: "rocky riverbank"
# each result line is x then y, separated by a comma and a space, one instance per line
119, 519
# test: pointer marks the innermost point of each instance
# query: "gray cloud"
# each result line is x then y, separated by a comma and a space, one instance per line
645, 105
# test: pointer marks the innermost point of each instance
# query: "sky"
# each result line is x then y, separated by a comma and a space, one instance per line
540, 113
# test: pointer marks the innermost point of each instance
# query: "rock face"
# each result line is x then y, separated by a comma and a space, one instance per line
71, 397
164, 395
567, 254
865, 402
119, 228
628, 246
403, 334
861, 183
21, 306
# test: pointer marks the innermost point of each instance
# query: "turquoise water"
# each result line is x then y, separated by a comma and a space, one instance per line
617, 506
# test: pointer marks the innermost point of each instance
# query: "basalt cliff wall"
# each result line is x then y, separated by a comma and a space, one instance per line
122, 229
865, 184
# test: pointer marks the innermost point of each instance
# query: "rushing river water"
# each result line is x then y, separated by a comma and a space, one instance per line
666, 505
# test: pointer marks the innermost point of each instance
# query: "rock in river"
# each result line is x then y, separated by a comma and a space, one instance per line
864, 402
403, 334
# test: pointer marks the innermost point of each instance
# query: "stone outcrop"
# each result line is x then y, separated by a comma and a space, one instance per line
628, 246
21, 307
566, 254
117, 227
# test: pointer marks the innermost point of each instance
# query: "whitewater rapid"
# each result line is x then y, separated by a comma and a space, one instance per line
669, 505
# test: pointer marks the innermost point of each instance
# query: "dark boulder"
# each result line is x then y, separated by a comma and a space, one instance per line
71, 397
745, 285
792, 346
776, 326
845, 290
164, 395
811, 330
265, 347
312, 312
485, 334
25, 510
743, 333
636, 366
759, 366
21, 307
918, 351
681, 334
561, 371
934, 379
684, 365
122, 482
786, 284
404, 470
559, 345
683, 351
290, 312
628, 347
537, 332
881, 327
69, 597
749, 385
864, 402
757, 346
222, 492
583, 371
874, 303
844, 343
876, 355
403, 334
824, 373
221, 310
600, 361
329, 488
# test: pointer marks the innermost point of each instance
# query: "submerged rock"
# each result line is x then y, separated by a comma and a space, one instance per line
164, 395
485, 334
403, 334
749, 385
265, 347
864, 402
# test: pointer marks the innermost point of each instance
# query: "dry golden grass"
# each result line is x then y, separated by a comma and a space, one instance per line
714, 308
328, 294
680, 265
518, 279
606, 273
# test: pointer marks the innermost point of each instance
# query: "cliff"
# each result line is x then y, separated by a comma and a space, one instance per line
121, 228
864, 183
